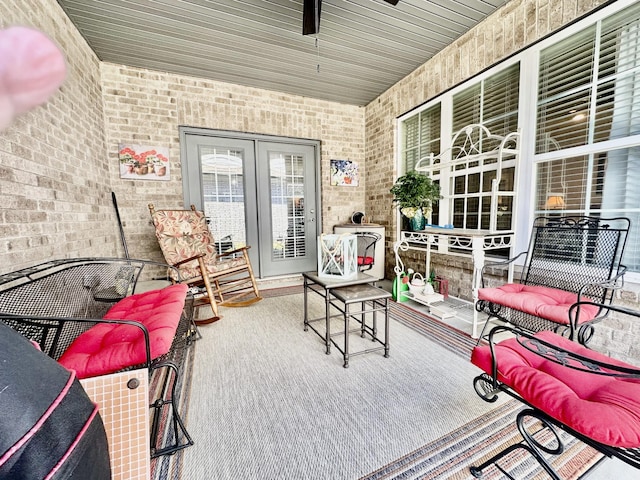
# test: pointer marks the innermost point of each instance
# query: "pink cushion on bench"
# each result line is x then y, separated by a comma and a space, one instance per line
544, 302
107, 348
605, 409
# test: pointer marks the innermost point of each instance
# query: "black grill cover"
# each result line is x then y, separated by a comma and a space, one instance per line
49, 428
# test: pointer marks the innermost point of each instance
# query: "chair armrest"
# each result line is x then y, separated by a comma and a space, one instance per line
229, 253
614, 283
138, 264
195, 257
595, 364
502, 264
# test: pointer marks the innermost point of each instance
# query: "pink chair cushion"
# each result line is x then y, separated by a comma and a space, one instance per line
544, 302
605, 409
365, 260
107, 348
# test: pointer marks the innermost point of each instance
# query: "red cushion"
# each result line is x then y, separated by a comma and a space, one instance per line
365, 260
544, 302
107, 348
605, 409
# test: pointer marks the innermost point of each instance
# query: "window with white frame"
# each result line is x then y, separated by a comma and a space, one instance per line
575, 97
588, 124
492, 102
421, 138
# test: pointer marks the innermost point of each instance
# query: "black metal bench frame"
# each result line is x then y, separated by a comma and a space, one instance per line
576, 254
54, 302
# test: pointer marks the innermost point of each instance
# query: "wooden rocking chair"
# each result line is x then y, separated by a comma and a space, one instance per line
187, 243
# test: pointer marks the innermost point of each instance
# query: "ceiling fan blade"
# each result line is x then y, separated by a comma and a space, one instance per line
311, 17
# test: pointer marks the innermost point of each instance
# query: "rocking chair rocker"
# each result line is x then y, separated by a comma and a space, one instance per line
187, 243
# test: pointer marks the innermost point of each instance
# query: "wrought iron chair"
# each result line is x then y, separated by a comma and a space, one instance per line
569, 259
225, 279
564, 386
367, 249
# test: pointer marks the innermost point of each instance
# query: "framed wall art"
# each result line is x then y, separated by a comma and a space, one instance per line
142, 162
344, 173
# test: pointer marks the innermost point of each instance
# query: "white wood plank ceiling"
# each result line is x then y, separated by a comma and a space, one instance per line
363, 46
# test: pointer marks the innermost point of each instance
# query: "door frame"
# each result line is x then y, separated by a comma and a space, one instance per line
192, 176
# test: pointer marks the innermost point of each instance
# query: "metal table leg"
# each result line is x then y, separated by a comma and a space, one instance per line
306, 313
347, 315
327, 301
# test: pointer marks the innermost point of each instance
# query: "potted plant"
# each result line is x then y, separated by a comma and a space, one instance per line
414, 193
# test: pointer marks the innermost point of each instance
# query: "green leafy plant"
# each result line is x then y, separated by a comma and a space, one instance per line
414, 191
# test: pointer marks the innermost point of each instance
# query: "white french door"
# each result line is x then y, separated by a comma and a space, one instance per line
258, 191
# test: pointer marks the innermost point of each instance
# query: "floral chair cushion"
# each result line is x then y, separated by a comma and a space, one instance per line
185, 234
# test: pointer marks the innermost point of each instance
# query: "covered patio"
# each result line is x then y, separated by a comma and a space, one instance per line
380, 88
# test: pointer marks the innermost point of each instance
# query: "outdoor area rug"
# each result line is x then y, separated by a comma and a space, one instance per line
267, 402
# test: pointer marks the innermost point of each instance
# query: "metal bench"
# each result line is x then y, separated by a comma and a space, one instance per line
54, 303
569, 259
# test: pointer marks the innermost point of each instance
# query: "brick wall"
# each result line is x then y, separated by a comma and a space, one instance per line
147, 107
55, 198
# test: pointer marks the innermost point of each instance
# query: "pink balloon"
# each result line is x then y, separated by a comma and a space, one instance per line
32, 68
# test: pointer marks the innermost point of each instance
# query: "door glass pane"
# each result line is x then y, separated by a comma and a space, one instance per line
287, 205
223, 192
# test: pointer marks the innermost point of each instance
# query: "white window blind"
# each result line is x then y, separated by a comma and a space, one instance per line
421, 136
492, 102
